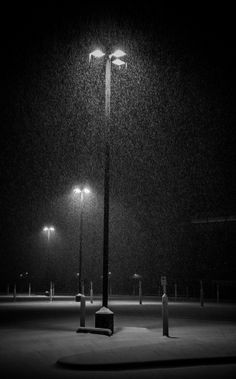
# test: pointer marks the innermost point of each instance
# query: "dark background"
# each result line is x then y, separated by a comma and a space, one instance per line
173, 141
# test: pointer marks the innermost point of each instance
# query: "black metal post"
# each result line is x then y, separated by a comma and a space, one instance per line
106, 227
80, 247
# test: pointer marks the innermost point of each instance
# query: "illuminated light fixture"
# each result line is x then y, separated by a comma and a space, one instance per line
96, 54
118, 54
119, 62
47, 228
78, 190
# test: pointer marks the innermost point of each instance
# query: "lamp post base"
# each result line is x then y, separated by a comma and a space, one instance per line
78, 297
104, 318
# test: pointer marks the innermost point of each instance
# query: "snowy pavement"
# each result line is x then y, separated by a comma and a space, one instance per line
33, 348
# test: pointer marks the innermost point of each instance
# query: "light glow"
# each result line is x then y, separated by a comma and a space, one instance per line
118, 62
49, 229
96, 54
118, 54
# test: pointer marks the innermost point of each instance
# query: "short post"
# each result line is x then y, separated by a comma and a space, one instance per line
218, 293
91, 292
163, 283
29, 289
14, 292
8, 289
201, 294
82, 285
164, 288
165, 315
140, 291
159, 291
50, 293
175, 292
82, 310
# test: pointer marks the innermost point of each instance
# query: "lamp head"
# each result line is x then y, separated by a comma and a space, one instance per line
118, 54
96, 54
77, 190
118, 62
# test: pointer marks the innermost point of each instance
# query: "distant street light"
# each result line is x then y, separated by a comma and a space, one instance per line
81, 193
103, 317
25, 275
49, 230
139, 278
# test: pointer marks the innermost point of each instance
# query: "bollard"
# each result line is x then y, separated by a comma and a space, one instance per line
165, 315
218, 293
29, 289
14, 292
91, 292
82, 310
8, 289
140, 291
82, 289
201, 294
175, 292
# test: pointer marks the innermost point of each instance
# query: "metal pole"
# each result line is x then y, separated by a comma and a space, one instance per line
14, 292
50, 293
106, 186
82, 310
91, 292
140, 291
165, 315
80, 245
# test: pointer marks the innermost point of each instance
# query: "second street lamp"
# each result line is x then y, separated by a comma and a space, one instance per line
49, 230
104, 317
81, 193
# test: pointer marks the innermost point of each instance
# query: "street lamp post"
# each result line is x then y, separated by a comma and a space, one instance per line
81, 193
104, 317
49, 230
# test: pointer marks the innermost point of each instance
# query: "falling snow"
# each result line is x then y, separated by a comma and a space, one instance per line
172, 154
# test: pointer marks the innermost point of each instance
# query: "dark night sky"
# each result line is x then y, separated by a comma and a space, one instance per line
173, 121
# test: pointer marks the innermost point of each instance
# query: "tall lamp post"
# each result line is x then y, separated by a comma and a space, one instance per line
104, 317
49, 230
81, 193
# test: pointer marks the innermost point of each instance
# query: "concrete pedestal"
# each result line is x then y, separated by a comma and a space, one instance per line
104, 318
78, 297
